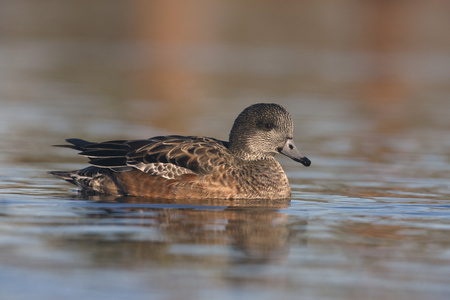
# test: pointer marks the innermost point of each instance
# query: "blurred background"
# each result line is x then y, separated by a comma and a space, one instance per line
366, 82
163, 63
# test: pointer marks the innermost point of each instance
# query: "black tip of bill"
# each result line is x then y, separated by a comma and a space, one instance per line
304, 161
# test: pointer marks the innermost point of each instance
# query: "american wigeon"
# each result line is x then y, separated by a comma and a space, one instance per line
176, 167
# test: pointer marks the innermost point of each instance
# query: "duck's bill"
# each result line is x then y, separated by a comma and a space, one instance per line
290, 150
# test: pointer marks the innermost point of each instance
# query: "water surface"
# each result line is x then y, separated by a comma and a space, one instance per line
370, 219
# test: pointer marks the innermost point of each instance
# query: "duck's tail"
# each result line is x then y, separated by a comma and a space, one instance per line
66, 175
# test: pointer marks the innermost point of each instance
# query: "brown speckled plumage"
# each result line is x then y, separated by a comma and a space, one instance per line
176, 167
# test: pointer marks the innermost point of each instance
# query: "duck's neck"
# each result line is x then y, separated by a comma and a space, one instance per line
249, 155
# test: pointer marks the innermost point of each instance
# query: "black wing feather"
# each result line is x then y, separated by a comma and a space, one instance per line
109, 162
104, 153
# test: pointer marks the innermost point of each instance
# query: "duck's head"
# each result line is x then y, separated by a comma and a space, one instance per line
263, 130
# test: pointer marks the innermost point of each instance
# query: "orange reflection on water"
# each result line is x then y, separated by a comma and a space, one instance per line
387, 93
170, 29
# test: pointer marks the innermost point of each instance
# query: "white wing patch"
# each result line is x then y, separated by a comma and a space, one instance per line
166, 170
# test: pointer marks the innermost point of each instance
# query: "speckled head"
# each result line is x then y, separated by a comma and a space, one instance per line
263, 130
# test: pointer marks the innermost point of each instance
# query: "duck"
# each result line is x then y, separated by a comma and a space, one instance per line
194, 167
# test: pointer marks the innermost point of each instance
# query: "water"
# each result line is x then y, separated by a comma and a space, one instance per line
370, 219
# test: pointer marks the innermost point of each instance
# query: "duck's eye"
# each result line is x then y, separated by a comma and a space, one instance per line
267, 126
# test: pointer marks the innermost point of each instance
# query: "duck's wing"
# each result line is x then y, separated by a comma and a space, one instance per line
165, 156
177, 155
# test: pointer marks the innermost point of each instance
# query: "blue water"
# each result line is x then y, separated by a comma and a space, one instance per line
373, 230
370, 219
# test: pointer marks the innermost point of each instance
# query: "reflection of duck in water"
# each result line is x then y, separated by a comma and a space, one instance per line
238, 233
176, 167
